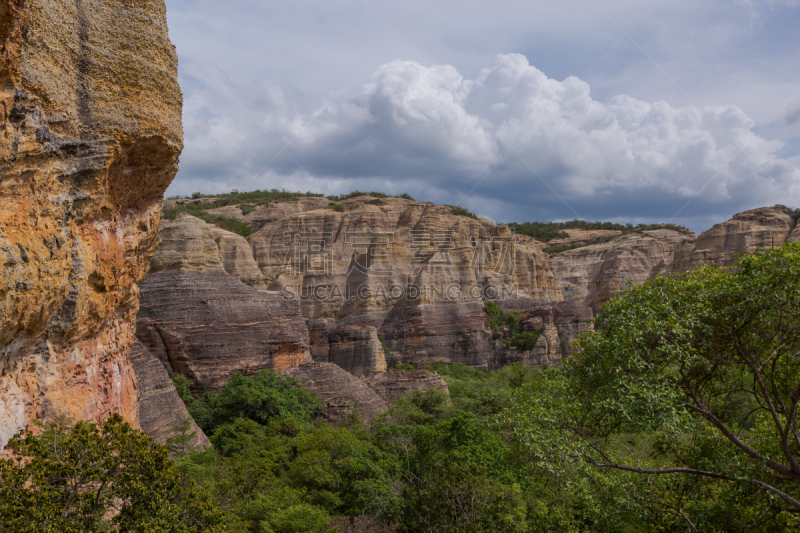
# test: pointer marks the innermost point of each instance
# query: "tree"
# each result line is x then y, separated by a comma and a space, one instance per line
703, 369
79, 477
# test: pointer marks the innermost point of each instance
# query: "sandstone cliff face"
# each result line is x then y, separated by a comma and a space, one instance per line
394, 384
339, 391
356, 348
91, 121
559, 326
593, 274
205, 324
767, 227
160, 408
237, 257
414, 272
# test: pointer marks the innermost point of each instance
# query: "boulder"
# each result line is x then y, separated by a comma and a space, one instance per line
395, 384
339, 391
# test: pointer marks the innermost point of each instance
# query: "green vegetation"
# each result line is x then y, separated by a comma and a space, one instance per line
231, 224
82, 477
376, 201
402, 366
386, 348
547, 231
336, 207
685, 401
257, 197
794, 213
355, 194
505, 326
461, 211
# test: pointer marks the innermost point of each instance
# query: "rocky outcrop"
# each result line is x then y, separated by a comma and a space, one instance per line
413, 271
592, 275
205, 324
355, 348
767, 227
91, 121
339, 391
559, 326
237, 257
274, 210
395, 384
583, 236
161, 410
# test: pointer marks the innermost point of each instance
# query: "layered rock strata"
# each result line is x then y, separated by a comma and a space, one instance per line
355, 348
767, 227
592, 275
394, 384
205, 324
339, 391
91, 121
559, 326
413, 271
161, 411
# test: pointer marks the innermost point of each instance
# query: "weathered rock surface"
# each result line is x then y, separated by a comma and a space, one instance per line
273, 211
559, 325
91, 121
237, 257
583, 236
414, 272
395, 384
339, 391
161, 411
593, 274
205, 324
355, 348
766, 227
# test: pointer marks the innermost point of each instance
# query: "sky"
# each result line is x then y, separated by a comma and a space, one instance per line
630, 111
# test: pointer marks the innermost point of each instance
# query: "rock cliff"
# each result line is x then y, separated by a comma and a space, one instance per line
161, 410
91, 121
767, 227
205, 324
592, 275
413, 271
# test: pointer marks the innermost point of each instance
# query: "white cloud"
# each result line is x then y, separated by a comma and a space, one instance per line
430, 126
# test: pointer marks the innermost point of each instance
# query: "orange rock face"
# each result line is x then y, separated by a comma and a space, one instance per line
90, 114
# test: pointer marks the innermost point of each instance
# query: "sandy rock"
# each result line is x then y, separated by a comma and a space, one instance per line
237, 257
339, 391
160, 407
592, 275
766, 227
187, 243
91, 120
395, 384
583, 236
355, 348
205, 324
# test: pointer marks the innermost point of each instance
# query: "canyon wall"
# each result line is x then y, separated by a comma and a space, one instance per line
591, 275
90, 112
205, 324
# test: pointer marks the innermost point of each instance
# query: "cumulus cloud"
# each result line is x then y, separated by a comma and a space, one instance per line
511, 135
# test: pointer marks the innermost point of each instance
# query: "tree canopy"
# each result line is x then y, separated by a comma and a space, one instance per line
690, 385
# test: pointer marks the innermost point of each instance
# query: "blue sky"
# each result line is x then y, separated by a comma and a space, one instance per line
640, 111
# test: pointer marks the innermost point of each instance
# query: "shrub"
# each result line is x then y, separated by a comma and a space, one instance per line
461, 211
336, 207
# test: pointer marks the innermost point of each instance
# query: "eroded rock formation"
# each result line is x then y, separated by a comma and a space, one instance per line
592, 275
205, 324
161, 410
559, 326
395, 384
91, 121
767, 227
339, 391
